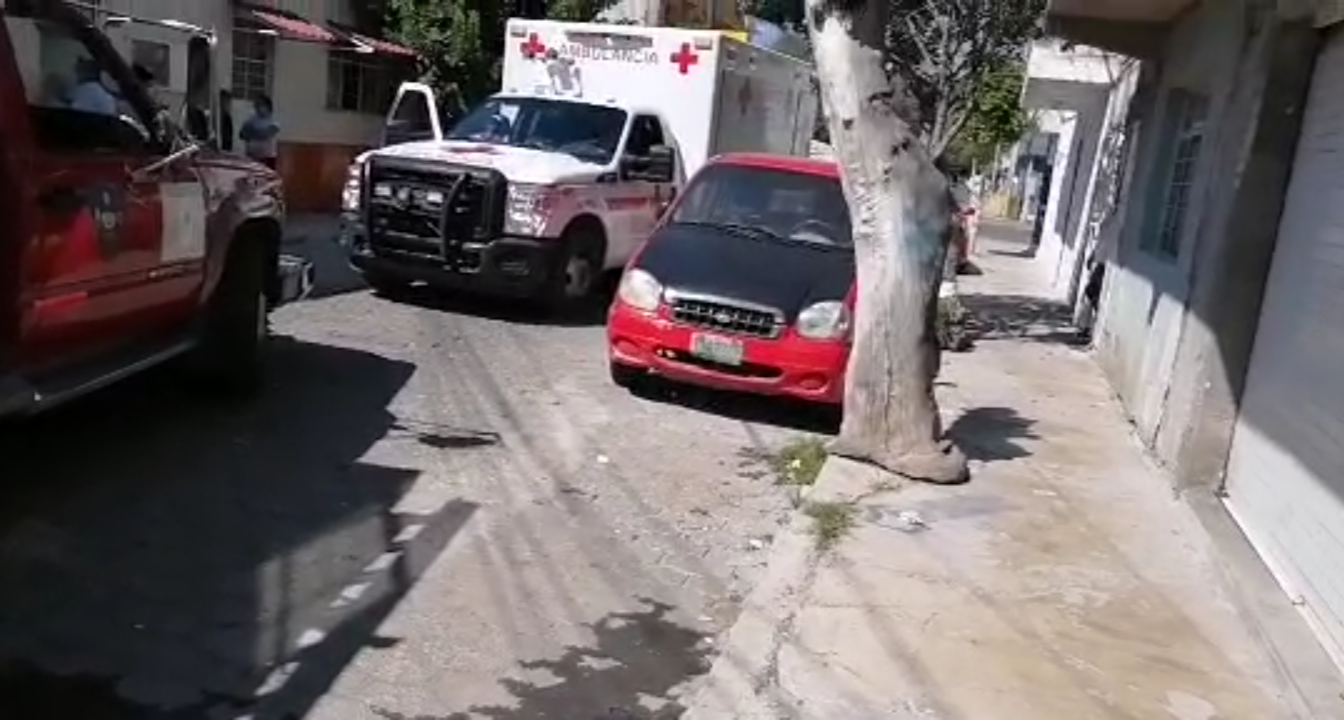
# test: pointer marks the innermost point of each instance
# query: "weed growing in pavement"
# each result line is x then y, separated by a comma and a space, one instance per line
799, 462
831, 521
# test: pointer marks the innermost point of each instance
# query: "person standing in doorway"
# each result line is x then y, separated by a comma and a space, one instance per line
261, 133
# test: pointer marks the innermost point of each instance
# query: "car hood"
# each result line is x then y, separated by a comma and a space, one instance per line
780, 274
517, 164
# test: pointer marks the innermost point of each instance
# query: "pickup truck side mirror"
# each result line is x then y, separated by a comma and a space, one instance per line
658, 166
136, 129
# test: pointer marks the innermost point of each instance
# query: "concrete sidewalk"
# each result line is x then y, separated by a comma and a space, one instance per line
1065, 582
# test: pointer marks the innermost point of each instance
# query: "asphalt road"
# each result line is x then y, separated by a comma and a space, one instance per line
434, 511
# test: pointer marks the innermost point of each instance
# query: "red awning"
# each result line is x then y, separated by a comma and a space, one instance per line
385, 47
288, 25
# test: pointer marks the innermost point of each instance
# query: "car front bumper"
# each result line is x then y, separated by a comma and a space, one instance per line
509, 266
787, 366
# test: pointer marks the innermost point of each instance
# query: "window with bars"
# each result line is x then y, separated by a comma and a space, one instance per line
1186, 114
253, 56
356, 83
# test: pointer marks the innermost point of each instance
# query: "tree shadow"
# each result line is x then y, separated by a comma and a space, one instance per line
163, 557
991, 434
1020, 317
637, 656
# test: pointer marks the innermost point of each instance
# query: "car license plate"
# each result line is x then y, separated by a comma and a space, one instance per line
717, 349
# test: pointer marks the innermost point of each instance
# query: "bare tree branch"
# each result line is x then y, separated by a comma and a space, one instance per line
943, 47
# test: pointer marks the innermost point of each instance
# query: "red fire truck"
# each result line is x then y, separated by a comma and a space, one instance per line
129, 242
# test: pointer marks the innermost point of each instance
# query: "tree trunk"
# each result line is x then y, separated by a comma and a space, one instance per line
901, 207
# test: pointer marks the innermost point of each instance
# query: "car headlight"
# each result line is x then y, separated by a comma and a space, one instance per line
354, 187
527, 208
827, 320
640, 290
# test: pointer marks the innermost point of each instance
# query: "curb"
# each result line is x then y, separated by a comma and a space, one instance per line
743, 682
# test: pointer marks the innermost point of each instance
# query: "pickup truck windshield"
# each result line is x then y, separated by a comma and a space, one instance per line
768, 202
588, 132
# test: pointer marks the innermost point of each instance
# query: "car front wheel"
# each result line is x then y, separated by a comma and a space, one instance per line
237, 323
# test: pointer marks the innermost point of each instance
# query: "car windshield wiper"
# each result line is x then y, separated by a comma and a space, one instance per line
750, 231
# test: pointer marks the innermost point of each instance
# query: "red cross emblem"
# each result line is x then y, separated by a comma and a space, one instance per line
685, 58
534, 47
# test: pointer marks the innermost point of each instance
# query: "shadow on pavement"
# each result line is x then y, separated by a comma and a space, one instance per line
744, 407
992, 434
331, 268
163, 557
637, 657
590, 313
1026, 253
1020, 317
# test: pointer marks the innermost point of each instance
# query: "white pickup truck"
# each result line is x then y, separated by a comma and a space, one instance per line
561, 175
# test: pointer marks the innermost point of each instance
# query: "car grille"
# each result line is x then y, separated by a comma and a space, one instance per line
409, 225
726, 317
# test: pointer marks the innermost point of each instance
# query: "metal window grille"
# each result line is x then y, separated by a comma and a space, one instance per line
358, 84
253, 55
1186, 141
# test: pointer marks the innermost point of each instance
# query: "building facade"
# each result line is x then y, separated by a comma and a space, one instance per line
331, 84
1079, 97
1217, 322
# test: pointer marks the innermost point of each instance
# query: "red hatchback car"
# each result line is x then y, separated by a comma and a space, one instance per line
747, 284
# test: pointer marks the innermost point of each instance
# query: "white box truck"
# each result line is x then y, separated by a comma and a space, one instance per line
559, 176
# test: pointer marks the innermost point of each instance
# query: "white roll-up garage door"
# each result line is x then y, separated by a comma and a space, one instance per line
1285, 476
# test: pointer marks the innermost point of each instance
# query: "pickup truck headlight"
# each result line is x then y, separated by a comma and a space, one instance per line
640, 290
354, 187
827, 320
527, 209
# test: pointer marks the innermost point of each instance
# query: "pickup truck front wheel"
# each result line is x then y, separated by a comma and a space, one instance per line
236, 323
577, 271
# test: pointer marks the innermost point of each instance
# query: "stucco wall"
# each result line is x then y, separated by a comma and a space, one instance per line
1175, 338
1143, 317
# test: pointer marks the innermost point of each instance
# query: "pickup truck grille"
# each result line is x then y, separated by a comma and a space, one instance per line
726, 317
437, 213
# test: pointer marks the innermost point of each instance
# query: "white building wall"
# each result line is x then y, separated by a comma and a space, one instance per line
207, 14
1071, 90
300, 85
1064, 124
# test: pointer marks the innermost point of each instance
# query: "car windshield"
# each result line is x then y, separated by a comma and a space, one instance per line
588, 132
768, 202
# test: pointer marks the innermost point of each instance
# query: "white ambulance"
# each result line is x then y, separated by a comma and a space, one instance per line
560, 176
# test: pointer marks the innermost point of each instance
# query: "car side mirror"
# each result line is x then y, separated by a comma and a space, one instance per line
658, 166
